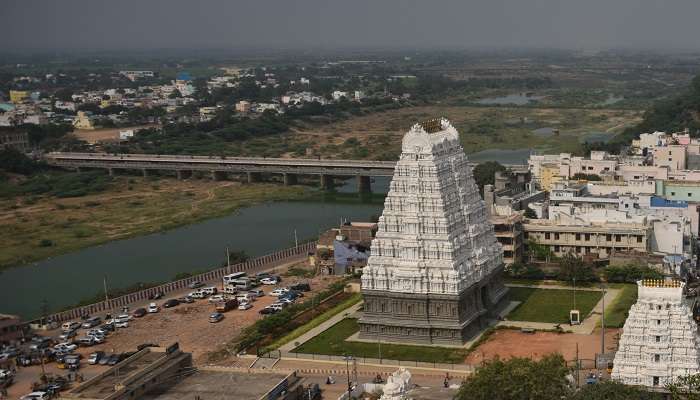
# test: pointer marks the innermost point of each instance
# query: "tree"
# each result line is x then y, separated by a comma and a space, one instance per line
586, 177
685, 388
518, 378
484, 173
64, 94
611, 390
539, 251
572, 267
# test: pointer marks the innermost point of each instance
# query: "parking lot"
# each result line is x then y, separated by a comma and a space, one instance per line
186, 323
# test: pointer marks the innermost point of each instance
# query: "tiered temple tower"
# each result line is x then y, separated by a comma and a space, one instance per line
659, 340
435, 267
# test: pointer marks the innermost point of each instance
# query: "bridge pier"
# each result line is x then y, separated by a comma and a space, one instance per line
183, 174
145, 172
326, 182
219, 175
110, 171
253, 177
290, 179
364, 184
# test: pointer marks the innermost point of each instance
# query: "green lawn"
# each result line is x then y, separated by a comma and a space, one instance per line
616, 314
332, 342
550, 305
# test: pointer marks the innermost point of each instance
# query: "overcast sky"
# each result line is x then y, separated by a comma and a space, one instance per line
146, 24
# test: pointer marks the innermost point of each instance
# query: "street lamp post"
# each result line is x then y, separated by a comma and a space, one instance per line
347, 370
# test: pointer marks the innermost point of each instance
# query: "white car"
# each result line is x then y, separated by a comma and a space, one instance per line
268, 281
124, 317
197, 294
279, 292
153, 308
121, 324
4, 374
65, 346
218, 298
286, 301
36, 396
245, 306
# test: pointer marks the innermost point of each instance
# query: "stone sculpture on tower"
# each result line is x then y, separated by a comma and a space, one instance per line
659, 341
434, 273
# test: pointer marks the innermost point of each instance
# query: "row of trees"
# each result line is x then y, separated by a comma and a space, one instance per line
550, 379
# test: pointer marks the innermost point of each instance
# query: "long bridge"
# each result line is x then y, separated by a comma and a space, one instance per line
220, 166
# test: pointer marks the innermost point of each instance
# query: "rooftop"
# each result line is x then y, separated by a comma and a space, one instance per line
219, 384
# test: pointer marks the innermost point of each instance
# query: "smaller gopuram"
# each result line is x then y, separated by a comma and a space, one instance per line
660, 338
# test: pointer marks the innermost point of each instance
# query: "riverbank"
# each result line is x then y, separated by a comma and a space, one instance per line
46, 227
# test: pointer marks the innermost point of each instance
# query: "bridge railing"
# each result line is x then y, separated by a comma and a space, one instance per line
180, 284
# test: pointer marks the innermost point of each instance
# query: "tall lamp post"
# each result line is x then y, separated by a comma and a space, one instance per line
347, 370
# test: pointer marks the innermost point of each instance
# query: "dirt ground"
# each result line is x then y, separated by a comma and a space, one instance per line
507, 343
105, 135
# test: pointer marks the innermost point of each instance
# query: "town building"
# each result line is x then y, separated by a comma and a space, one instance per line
16, 140
10, 328
83, 121
659, 341
18, 96
243, 106
345, 249
435, 270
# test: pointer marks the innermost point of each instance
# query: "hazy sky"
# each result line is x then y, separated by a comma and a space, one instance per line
139, 24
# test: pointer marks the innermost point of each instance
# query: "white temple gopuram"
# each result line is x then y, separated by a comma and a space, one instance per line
435, 268
660, 338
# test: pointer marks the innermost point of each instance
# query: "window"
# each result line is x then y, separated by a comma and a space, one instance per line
578, 236
556, 249
658, 322
556, 236
658, 339
546, 235
690, 195
673, 193
608, 238
657, 358
656, 381
636, 177
639, 239
618, 238
588, 236
651, 306
578, 249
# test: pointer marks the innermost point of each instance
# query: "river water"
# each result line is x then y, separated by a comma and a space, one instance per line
257, 230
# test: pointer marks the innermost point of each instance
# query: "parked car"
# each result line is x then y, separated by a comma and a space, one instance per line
65, 347
95, 357
67, 335
98, 339
195, 285
171, 303
186, 299
226, 305
105, 359
268, 281
107, 328
36, 396
285, 300
244, 306
70, 326
197, 294
124, 318
218, 298
139, 312
123, 324
86, 341
257, 292
245, 297
153, 308
216, 317
279, 292
91, 322
156, 296
268, 310
301, 287
113, 359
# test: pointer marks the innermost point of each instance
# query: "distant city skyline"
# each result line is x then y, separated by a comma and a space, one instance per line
178, 24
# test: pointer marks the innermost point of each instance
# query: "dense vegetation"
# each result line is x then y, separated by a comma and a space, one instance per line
58, 184
546, 379
671, 115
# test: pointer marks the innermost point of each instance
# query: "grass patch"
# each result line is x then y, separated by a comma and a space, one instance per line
616, 314
550, 305
332, 342
316, 321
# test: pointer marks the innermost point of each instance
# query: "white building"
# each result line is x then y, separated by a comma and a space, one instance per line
659, 341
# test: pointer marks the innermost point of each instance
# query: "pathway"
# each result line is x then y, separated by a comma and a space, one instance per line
320, 328
590, 321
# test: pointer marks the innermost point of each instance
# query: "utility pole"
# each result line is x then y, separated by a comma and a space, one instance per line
296, 240
578, 372
228, 258
602, 325
347, 371
104, 283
